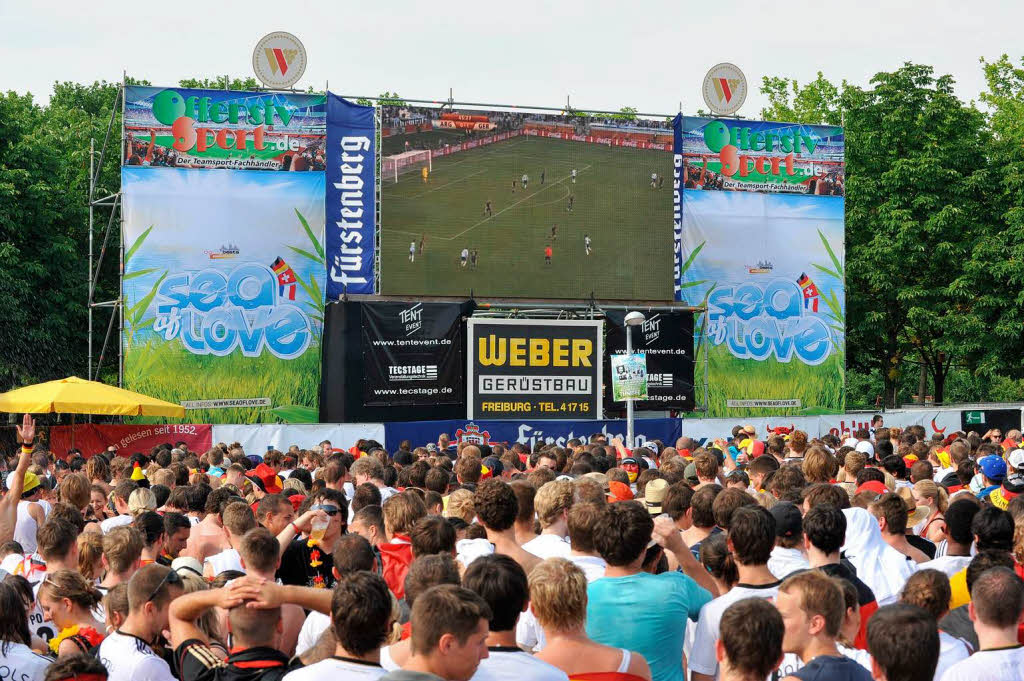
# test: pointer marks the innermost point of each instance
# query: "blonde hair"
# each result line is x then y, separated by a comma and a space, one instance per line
208, 622
817, 465
90, 555
558, 594
929, 490
401, 511
460, 505
141, 500
295, 485
551, 500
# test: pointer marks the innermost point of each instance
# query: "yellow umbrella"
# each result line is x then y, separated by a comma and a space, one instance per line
75, 395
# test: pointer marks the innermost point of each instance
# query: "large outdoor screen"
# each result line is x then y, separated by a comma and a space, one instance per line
525, 205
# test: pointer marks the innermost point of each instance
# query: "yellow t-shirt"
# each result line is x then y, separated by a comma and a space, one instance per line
958, 588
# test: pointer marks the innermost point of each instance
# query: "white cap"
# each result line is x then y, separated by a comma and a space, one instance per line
1016, 459
865, 447
850, 442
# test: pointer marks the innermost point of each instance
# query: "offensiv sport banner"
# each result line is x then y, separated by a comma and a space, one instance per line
534, 368
223, 291
351, 198
412, 354
666, 338
185, 128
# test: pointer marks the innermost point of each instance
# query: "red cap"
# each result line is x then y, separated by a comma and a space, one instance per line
296, 501
619, 491
266, 474
873, 486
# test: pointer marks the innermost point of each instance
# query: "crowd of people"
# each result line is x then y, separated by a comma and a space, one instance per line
882, 553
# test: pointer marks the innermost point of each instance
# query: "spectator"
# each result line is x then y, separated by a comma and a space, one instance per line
552, 504
788, 555
904, 644
750, 647
929, 590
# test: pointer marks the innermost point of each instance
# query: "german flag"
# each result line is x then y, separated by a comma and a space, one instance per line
285, 279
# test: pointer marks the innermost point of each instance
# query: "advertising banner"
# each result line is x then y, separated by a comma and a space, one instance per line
93, 438
184, 128
770, 268
761, 156
412, 354
666, 339
530, 431
629, 377
351, 198
534, 368
257, 439
223, 291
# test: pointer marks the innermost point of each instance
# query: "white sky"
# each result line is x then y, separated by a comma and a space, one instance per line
650, 54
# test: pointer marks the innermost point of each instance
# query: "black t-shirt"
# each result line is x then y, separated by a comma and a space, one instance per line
922, 544
302, 565
832, 668
196, 661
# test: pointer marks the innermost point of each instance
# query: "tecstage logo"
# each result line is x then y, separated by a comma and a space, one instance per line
413, 372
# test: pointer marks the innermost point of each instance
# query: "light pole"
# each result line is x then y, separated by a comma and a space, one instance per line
632, 319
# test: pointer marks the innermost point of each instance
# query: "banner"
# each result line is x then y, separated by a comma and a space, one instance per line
412, 354
535, 368
770, 268
530, 432
258, 439
666, 338
629, 377
183, 128
351, 198
222, 287
761, 156
92, 438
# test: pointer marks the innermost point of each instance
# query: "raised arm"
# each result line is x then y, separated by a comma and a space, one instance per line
16, 480
667, 535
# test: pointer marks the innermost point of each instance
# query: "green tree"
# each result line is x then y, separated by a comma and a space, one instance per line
818, 102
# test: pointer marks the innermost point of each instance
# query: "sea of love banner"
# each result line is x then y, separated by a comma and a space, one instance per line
534, 368
351, 198
223, 291
186, 128
761, 156
666, 338
412, 354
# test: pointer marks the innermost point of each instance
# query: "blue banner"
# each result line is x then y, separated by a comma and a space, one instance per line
351, 198
529, 432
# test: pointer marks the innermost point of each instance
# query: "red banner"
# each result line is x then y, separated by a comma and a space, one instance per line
93, 438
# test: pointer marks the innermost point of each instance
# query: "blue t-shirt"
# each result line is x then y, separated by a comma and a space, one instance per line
647, 614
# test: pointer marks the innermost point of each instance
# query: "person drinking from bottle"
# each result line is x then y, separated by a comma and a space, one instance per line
306, 560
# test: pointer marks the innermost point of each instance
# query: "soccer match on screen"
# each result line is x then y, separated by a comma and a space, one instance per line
570, 204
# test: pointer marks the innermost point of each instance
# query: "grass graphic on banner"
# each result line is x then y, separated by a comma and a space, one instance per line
168, 371
629, 223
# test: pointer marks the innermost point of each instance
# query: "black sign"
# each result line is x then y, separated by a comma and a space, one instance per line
667, 340
412, 354
532, 368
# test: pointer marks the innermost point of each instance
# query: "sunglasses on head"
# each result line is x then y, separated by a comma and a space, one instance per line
172, 577
329, 510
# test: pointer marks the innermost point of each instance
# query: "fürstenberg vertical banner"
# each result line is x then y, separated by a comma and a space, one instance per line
760, 243
412, 354
534, 368
351, 197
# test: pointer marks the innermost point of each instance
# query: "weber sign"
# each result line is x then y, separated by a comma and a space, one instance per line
540, 369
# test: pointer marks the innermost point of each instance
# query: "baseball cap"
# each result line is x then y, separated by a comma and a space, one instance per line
690, 473
31, 482
619, 491
269, 482
431, 447
187, 565
788, 521
654, 495
993, 467
872, 486
628, 459
1016, 459
866, 448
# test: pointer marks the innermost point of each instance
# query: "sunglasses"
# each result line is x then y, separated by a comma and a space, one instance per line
329, 510
172, 577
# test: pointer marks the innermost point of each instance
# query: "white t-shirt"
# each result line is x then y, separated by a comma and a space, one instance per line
505, 664
312, 629
1006, 664
117, 521
129, 658
465, 254
784, 562
228, 559
593, 566
21, 664
546, 546
702, 657
951, 651
949, 565
335, 668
